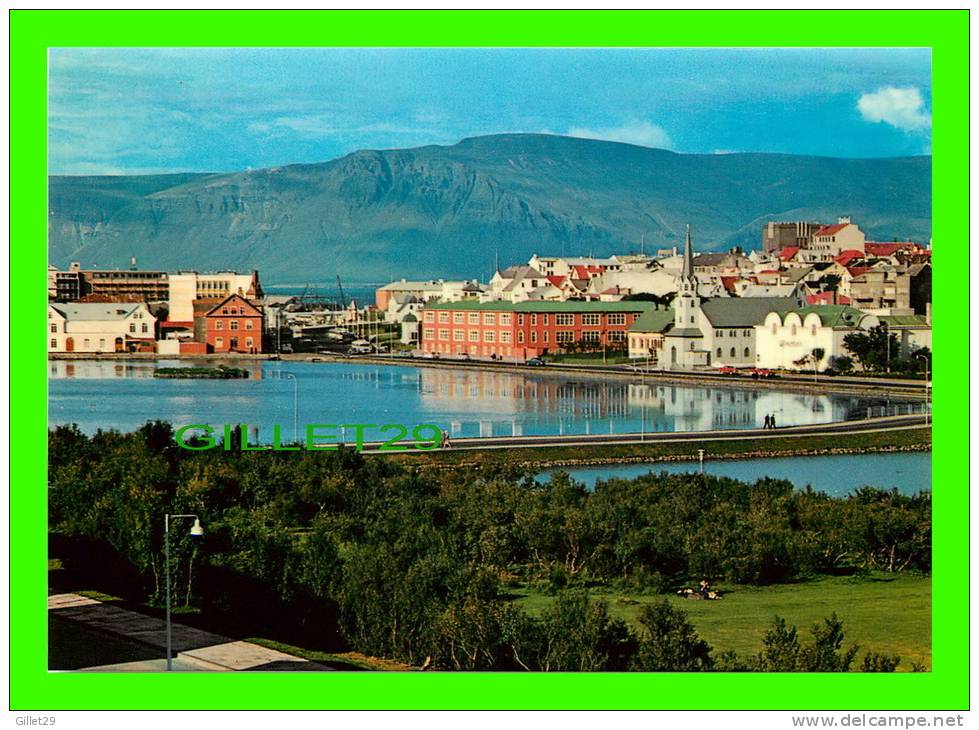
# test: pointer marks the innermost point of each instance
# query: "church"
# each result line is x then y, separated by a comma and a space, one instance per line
711, 333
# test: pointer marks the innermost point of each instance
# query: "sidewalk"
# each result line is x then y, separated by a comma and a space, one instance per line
193, 649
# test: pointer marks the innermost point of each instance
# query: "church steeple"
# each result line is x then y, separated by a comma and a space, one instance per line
687, 279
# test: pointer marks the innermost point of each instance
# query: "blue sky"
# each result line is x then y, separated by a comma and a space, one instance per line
145, 110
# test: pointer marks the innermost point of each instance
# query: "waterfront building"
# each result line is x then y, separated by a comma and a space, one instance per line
107, 285
231, 324
790, 339
188, 286
525, 329
100, 327
713, 332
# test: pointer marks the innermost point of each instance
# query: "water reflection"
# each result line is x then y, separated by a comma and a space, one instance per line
467, 402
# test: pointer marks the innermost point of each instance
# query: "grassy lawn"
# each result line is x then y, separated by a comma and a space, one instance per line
587, 358
653, 451
884, 613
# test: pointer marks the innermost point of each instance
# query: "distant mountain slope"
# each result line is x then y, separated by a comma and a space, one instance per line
447, 211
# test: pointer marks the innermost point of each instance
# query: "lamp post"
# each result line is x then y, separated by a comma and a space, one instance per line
196, 531
295, 404
700, 454
927, 389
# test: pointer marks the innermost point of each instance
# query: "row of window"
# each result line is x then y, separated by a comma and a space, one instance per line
563, 319
562, 337
233, 343
143, 328
733, 333
734, 353
219, 324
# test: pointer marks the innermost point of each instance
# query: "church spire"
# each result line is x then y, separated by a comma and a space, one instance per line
688, 257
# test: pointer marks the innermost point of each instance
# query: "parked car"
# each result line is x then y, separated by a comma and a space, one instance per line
762, 373
465, 356
535, 362
727, 370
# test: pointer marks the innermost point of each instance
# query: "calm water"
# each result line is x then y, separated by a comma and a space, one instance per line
467, 402
836, 475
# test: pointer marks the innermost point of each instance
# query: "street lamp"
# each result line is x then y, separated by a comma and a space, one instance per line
927, 388
700, 454
196, 531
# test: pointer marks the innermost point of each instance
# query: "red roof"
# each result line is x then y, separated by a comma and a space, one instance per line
831, 230
556, 280
788, 253
888, 249
728, 282
826, 297
847, 256
587, 272
176, 325
858, 270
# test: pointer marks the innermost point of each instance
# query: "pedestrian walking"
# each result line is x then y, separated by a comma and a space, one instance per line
768, 421
446, 444
773, 422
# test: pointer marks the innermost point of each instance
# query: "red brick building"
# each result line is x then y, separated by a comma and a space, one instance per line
232, 324
524, 329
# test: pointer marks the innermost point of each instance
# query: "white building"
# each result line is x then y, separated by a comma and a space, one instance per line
101, 327
713, 332
186, 286
794, 340
830, 241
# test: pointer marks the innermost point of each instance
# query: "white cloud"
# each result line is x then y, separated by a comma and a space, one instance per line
901, 107
645, 134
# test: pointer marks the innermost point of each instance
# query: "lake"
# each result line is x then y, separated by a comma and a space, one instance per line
908, 472
468, 402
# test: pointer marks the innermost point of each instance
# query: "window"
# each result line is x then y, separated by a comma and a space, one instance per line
458, 318
718, 351
489, 336
429, 316
443, 334
219, 342
519, 319
429, 333
747, 352
132, 326
520, 336
533, 319
144, 328
547, 334
458, 335
489, 318
691, 319
617, 337
591, 337
506, 318
564, 337
54, 326
733, 352
102, 344
564, 319
474, 335
219, 325
249, 342
533, 336
506, 337
249, 324
443, 317
54, 343
591, 319
616, 318
718, 333
747, 333
547, 319
233, 345
474, 318
234, 324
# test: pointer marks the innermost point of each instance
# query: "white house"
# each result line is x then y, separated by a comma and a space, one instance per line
101, 327
792, 340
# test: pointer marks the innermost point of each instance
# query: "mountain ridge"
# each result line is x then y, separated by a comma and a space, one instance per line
450, 210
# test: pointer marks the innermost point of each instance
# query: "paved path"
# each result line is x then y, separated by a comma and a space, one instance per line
839, 428
194, 649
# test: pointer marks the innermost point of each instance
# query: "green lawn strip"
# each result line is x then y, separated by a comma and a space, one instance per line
347, 661
890, 614
842, 443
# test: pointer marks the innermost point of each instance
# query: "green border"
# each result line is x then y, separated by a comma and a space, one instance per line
32, 32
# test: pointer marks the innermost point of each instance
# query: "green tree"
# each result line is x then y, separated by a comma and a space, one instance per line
669, 642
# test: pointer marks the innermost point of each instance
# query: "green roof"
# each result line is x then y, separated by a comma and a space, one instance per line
653, 320
743, 312
831, 315
569, 306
